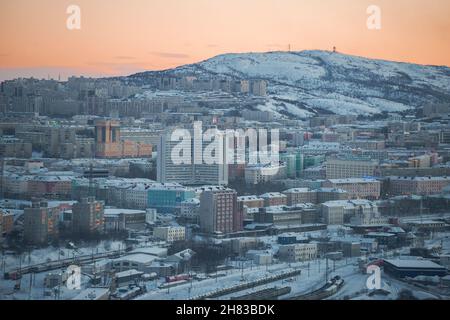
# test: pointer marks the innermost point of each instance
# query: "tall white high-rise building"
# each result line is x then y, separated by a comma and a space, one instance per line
195, 171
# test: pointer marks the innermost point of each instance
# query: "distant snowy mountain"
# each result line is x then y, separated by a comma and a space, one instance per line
310, 82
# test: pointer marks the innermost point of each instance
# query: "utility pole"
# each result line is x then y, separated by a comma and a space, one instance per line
31, 285
2, 168
20, 264
3, 264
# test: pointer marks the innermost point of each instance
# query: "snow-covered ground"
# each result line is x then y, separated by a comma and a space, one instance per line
9, 261
312, 277
304, 283
340, 83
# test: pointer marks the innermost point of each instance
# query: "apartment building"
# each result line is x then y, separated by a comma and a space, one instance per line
417, 185
108, 142
256, 174
300, 195
15, 148
117, 220
331, 194
332, 213
193, 171
189, 209
351, 168
40, 223
288, 215
357, 188
358, 212
170, 234
251, 201
88, 216
274, 199
219, 211
298, 252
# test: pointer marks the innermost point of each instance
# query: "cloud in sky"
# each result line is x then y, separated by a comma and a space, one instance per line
169, 33
124, 58
170, 55
118, 68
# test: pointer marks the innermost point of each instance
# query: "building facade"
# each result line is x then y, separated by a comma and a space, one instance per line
88, 216
351, 168
219, 211
170, 234
40, 223
417, 185
357, 188
298, 252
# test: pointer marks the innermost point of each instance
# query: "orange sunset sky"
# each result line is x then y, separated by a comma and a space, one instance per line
125, 36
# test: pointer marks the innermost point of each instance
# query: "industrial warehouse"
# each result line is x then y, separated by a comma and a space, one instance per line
413, 268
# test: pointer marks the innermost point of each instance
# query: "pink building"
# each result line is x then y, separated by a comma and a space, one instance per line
417, 185
357, 188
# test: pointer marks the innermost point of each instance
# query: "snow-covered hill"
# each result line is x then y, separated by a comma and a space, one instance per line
309, 82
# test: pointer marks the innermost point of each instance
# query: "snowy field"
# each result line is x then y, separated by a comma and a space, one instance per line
312, 277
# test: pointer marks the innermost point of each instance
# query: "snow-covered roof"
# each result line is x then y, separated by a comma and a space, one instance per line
92, 294
420, 179
154, 251
399, 263
129, 273
137, 258
273, 195
193, 201
297, 190
248, 198
348, 203
116, 212
353, 180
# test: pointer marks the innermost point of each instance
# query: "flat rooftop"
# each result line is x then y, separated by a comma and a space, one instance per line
414, 264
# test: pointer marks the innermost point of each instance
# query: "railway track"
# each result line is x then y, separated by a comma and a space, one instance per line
17, 273
329, 289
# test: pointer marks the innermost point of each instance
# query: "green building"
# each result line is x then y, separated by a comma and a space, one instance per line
167, 199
